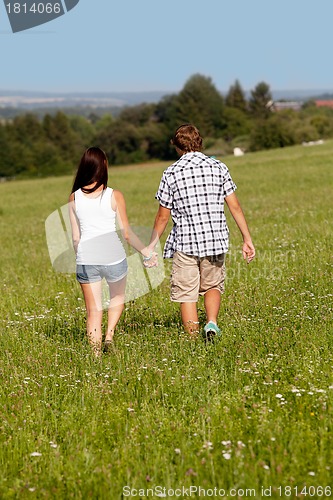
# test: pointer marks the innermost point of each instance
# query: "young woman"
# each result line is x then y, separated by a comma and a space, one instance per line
95, 209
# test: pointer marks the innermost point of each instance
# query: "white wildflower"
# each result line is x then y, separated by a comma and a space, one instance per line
208, 445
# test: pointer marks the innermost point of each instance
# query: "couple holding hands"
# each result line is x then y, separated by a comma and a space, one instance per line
193, 191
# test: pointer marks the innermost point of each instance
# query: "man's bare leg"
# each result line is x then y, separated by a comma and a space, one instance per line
189, 316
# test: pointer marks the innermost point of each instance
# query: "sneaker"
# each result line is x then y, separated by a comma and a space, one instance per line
211, 330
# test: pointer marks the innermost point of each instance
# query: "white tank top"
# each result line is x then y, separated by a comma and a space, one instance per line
99, 242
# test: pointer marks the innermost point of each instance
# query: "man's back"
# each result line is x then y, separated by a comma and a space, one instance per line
194, 188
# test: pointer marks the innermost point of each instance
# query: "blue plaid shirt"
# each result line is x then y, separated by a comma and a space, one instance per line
194, 188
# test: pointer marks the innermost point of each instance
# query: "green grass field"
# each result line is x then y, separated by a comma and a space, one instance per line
251, 414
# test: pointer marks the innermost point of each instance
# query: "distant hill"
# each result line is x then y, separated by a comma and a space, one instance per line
31, 100
324, 97
298, 95
35, 100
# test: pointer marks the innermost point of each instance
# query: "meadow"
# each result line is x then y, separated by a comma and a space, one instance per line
250, 415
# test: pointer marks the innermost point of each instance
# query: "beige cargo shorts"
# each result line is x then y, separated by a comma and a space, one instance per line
193, 276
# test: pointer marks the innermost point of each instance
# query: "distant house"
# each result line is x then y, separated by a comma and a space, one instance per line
324, 103
281, 105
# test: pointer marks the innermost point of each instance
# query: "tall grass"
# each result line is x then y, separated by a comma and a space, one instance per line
248, 414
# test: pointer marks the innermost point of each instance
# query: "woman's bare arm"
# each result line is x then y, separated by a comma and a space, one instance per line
76, 234
119, 205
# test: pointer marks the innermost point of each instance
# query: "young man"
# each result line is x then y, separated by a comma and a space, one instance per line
193, 191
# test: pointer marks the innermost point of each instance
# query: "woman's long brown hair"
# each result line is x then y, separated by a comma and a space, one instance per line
93, 168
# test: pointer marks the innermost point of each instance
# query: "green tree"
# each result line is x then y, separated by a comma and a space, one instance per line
58, 131
304, 132
200, 103
83, 129
238, 124
157, 141
260, 101
103, 122
7, 167
309, 104
122, 143
323, 125
27, 128
271, 133
235, 97
138, 115
166, 113
21, 137
47, 160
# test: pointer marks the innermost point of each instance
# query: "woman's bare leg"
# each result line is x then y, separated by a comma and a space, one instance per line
92, 293
116, 307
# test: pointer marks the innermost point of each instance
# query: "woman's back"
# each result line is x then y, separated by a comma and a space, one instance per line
99, 242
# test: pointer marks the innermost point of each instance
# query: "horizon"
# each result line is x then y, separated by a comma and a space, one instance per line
153, 90
37, 101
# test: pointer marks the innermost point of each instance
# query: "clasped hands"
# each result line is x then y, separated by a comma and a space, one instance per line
150, 258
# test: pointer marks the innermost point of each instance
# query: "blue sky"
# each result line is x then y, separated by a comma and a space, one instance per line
131, 45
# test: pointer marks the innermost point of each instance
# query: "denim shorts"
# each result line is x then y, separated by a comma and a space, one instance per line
87, 273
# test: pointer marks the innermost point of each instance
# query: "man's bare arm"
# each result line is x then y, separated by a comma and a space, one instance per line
161, 222
237, 213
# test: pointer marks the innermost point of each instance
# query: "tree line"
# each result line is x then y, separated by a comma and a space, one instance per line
34, 146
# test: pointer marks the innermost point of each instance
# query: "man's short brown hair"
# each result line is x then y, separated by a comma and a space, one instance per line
187, 138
